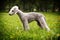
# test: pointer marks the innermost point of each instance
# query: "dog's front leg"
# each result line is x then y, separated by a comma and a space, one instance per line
26, 25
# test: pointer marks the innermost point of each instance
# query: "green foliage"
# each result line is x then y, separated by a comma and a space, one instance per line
11, 28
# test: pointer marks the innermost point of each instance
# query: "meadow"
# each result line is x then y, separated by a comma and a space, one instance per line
11, 28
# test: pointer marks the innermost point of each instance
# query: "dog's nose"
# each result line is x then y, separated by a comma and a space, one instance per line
10, 14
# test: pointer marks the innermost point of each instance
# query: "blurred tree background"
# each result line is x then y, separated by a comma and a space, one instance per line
31, 5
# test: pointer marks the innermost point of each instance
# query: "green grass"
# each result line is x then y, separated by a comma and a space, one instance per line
11, 28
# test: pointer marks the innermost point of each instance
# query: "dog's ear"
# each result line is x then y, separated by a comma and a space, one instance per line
15, 10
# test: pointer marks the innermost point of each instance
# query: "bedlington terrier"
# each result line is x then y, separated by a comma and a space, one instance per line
29, 17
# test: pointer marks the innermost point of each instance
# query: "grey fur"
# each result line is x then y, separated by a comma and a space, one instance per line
29, 17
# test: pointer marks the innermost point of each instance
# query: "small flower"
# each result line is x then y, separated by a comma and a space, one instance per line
17, 28
58, 34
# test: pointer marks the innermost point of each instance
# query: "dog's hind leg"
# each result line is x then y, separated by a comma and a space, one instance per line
43, 23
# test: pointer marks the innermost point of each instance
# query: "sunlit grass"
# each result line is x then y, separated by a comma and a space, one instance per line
11, 28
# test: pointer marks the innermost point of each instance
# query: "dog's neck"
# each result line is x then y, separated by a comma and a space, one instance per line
20, 14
